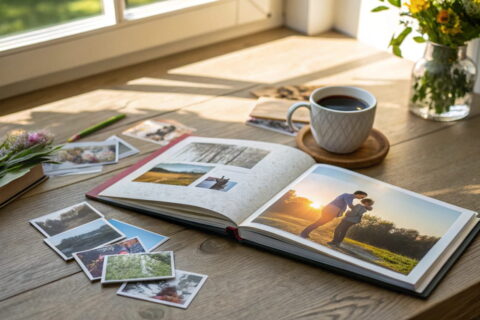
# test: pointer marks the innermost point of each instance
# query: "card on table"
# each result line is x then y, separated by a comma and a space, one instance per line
150, 239
178, 292
138, 267
125, 149
279, 126
91, 261
84, 154
159, 131
87, 236
65, 219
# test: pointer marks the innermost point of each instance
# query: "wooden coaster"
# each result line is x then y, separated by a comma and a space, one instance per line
372, 152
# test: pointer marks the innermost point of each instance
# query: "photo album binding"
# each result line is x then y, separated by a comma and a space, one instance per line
276, 197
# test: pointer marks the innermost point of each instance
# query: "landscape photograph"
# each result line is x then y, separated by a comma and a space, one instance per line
91, 261
178, 174
87, 236
217, 183
140, 266
218, 153
62, 220
395, 232
177, 292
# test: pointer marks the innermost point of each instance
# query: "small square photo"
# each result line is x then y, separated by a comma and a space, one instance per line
178, 292
138, 267
91, 261
66, 219
88, 236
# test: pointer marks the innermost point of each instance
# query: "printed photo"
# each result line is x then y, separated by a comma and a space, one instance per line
178, 292
125, 149
213, 183
66, 219
178, 174
274, 125
88, 236
83, 154
226, 154
361, 218
158, 131
150, 240
138, 267
91, 261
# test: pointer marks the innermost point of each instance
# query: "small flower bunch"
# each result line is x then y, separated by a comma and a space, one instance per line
451, 23
21, 150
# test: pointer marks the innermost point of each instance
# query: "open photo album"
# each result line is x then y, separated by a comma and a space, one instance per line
276, 197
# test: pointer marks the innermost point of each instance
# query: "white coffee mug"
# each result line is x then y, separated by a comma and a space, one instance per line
338, 131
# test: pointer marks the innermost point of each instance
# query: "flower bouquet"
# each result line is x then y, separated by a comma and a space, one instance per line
21, 156
443, 80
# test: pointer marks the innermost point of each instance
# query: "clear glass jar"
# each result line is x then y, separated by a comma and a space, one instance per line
442, 83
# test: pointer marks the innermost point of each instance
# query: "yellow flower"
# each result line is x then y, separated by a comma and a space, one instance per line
442, 16
450, 22
416, 6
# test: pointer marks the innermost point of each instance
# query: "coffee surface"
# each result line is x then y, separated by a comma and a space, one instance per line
343, 103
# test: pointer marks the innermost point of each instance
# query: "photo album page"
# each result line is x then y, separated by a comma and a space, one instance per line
388, 231
226, 177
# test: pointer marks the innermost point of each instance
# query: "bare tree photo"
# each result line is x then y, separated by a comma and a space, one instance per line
227, 154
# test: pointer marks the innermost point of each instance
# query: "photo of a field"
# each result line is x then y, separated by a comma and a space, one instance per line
138, 266
66, 219
396, 234
178, 174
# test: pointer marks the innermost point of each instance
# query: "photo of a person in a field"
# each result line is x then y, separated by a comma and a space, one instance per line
333, 210
352, 217
330, 208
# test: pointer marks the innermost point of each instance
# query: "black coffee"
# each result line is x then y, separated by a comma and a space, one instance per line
343, 103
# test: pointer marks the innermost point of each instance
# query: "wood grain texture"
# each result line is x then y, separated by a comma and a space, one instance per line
208, 89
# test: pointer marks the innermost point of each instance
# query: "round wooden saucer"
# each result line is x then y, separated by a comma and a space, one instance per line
372, 152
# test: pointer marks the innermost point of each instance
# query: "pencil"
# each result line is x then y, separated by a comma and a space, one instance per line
96, 127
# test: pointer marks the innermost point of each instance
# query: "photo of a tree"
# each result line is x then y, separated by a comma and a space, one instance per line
139, 266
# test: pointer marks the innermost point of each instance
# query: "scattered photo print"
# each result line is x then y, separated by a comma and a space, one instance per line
213, 183
274, 125
149, 239
158, 131
67, 172
218, 153
178, 292
138, 267
66, 219
91, 261
85, 237
178, 174
125, 149
84, 154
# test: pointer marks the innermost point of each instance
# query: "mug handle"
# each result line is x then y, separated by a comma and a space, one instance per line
294, 108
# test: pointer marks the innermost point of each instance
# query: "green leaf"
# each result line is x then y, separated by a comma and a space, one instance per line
396, 3
10, 176
379, 8
419, 39
396, 51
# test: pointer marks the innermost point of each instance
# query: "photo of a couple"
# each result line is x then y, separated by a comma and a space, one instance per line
359, 218
336, 209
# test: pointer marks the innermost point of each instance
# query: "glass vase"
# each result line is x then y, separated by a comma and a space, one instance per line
442, 83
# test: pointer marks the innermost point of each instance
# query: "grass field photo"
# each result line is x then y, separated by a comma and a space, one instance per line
178, 174
396, 234
138, 267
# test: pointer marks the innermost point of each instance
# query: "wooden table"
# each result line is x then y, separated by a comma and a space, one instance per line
208, 89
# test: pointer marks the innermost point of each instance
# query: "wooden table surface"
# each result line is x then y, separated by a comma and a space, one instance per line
208, 89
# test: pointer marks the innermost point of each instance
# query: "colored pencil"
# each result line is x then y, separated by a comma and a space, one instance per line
96, 127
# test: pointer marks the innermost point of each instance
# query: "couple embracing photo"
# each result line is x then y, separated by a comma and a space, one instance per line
335, 209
